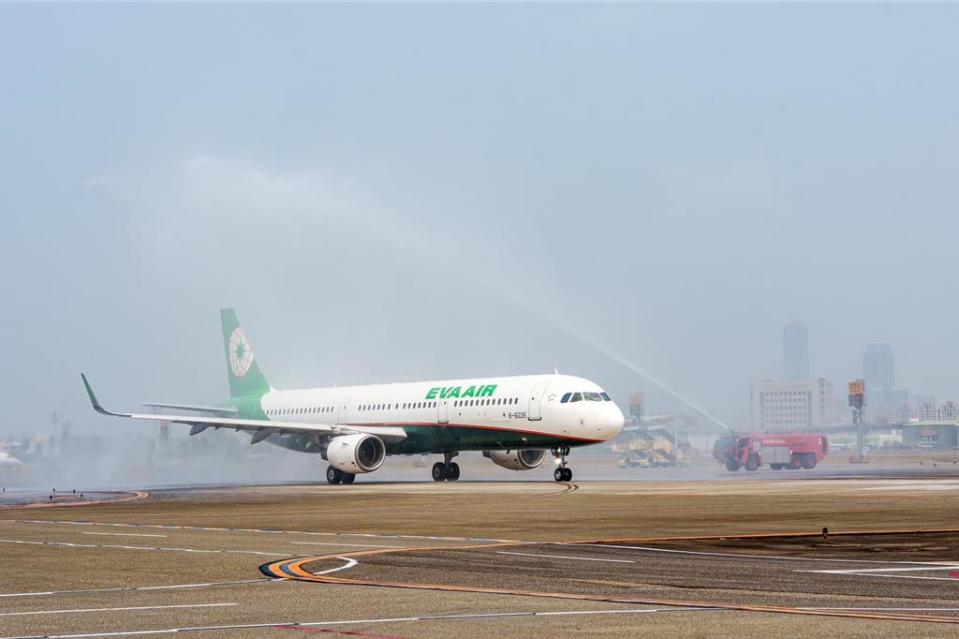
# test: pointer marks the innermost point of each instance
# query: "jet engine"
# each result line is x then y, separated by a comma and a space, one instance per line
359, 453
516, 459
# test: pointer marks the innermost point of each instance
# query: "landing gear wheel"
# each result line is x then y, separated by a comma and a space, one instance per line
349, 478
809, 461
453, 471
562, 473
439, 471
333, 475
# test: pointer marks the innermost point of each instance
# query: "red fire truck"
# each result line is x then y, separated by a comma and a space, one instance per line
786, 450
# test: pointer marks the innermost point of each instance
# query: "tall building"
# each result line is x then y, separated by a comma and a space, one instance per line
879, 371
879, 366
782, 406
796, 351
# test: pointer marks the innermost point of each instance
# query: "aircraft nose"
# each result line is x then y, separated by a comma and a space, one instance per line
615, 420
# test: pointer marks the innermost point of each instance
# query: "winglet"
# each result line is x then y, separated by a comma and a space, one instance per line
96, 403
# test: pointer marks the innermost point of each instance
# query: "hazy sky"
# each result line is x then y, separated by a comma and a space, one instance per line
403, 192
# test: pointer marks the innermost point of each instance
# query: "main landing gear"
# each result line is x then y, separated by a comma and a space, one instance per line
337, 476
446, 469
562, 473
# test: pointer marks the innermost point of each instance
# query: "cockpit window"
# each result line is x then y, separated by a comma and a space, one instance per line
593, 397
577, 397
606, 397
565, 398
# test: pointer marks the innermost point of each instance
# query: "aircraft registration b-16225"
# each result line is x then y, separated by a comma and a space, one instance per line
514, 421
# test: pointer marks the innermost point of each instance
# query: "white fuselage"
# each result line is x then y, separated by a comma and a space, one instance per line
462, 414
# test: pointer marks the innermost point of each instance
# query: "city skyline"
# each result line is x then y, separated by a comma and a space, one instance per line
796, 351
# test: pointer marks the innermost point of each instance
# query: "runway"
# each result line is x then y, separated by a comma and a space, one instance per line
491, 559
797, 575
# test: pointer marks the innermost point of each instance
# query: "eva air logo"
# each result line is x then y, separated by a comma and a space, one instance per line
241, 355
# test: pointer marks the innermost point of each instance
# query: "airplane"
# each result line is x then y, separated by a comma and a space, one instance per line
514, 421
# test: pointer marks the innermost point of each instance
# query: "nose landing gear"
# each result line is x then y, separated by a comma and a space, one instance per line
562, 473
446, 469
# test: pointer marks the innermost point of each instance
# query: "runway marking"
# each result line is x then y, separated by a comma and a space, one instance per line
122, 609
325, 543
860, 574
346, 633
293, 569
268, 531
748, 556
125, 496
343, 622
350, 562
124, 534
773, 535
67, 544
929, 566
530, 554
926, 485
570, 488
900, 609
84, 591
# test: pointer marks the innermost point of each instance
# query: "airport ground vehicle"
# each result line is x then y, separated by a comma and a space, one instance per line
785, 450
652, 448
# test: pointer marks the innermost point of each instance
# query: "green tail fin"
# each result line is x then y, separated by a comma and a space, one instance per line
241, 367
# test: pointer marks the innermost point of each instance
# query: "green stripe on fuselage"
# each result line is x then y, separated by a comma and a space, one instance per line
437, 439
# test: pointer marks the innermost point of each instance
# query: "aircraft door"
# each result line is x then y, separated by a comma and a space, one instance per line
342, 413
535, 412
442, 411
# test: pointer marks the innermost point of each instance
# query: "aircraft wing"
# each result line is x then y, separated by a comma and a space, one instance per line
213, 410
260, 428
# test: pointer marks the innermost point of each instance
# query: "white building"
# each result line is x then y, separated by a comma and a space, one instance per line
793, 405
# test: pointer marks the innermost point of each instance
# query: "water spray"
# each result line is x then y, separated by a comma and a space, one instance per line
642, 373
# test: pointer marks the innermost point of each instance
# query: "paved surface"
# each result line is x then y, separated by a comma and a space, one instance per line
189, 560
917, 578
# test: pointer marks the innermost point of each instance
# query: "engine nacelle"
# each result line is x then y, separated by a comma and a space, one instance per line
516, 459
359, 453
